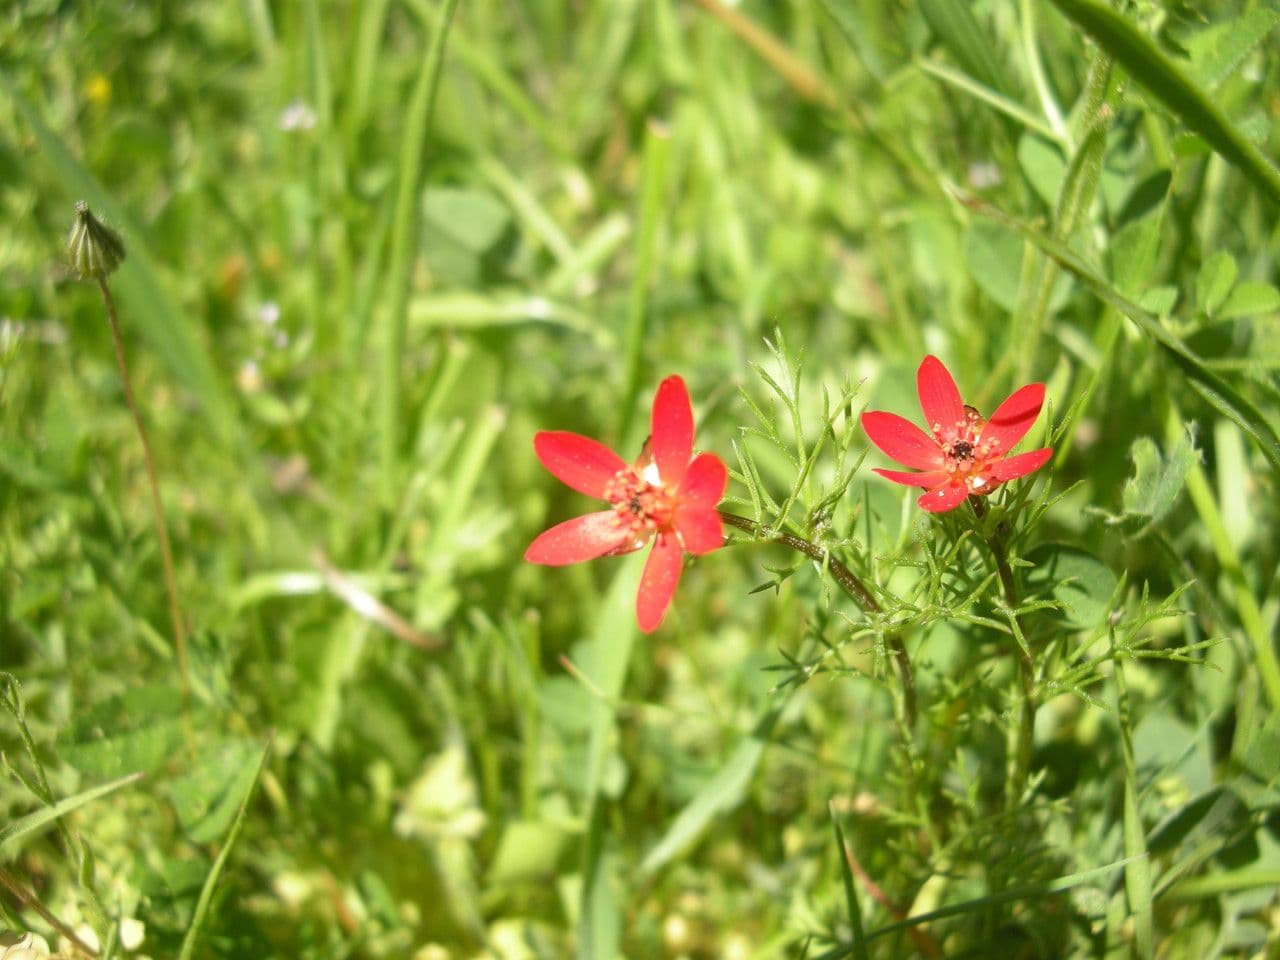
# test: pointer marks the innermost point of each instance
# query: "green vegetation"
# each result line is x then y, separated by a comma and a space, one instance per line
372, 248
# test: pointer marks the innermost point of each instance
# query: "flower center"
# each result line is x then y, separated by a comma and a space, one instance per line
965, 458
641, 507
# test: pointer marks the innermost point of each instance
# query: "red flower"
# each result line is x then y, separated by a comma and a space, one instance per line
965, 455
668, 496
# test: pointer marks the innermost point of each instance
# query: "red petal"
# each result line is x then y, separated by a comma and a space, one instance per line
939, 396
699, 528
704, 483
944, 498
582, 538
584, 464
658, 582
1019, 466
930, 478
1013, 419
671, 430
902, 440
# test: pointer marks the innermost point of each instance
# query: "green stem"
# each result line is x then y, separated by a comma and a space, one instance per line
852, 585
1020, 759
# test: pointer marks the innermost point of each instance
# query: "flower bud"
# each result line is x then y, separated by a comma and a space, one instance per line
93, 248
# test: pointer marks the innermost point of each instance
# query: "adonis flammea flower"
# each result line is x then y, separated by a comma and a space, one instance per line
668, 496
962, 455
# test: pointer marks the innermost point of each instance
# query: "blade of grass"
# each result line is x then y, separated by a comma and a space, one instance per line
1231, 881
657, 145
993, 98
1217, 392
1165, 81
12, 832
472, 311
1137, 874
850, 892
615, 632
1247, 610
403, 244
201, 913
369, 29
1061, 885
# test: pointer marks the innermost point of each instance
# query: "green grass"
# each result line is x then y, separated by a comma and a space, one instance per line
374, 247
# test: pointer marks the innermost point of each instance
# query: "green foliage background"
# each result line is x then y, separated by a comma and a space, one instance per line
346, 316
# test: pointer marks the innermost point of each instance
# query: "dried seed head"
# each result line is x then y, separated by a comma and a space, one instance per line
93, 248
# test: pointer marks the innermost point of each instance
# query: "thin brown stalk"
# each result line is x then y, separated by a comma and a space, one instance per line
162, 528
29, 901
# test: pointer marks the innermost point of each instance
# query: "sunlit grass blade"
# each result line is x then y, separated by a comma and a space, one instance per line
1164, 80
404, 230
1217, 392
201, 913
17, 829
993, 98
474, 311
657, 145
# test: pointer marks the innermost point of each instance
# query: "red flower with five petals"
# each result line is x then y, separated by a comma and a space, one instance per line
668, 496
963, 454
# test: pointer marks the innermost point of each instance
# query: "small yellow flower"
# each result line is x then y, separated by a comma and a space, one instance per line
97, 90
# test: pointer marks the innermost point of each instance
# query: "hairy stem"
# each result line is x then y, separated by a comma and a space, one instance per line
1020, 761
852, 585
162, 528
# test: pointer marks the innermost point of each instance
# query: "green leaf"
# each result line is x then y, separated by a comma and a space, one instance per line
529, 849
1250, 299
1077, 579
993, 255
135, 731
192, 937
955, 26
1217, 392
1043, 165
32, 822
206, 797
1261, 754
1159, 300
1165, 81
1217, 50
1156, 481
472, 219
1216, 278
722, 793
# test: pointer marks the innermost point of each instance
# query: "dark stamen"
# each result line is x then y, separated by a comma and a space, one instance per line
962, 450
